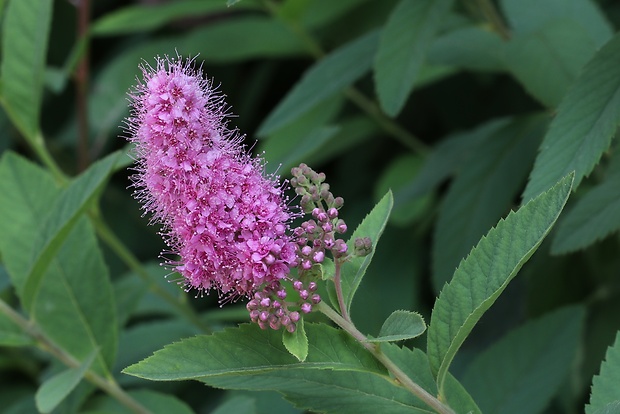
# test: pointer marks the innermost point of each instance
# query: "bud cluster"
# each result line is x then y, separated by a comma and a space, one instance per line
318, 234
269, 307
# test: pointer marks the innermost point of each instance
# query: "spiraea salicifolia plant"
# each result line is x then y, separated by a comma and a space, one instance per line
227, 225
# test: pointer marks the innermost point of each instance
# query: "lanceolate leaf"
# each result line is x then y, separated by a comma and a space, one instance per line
484, 191
24, 47
471, 47
339, 375
372, 226
605, 385
594, 217
522, 371
327, 77
405, 39
485, 273
74, 305
560, 49
587, 120
62, 216
611, 408
247, 350
445, 159
155, 402
140, 18
56, 388
32, 191
526, 16
295, 142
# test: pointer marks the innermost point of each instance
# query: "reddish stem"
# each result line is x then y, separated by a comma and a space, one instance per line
81, 83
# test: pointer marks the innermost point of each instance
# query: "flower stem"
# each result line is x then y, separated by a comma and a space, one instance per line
108, 385
338, 285
375, 350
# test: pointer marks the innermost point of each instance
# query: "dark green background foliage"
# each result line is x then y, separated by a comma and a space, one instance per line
465, 109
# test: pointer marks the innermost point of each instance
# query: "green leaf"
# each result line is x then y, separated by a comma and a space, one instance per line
155, 402
484, 190
352, 132
398, 174
401, 325
24, 47
247, 350
446, 158
55, 389
522, 371
611, 408
62, 216
240, 404
262, 402
594, 217
339, 375
32, 191
246, 37
472, 48
587, 120
141, 340
74, 305
142, 18
457, 396
526, 16
295, 142
297, 342
346, 392
318, 13
372, 226
324, 79
406, 37
486, 272
605, 385
560, 49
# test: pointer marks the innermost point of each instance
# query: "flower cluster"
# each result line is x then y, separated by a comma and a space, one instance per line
226, 220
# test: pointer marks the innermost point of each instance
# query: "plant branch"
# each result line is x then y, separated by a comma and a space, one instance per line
402, 378
367, 105
81, 81
109, 386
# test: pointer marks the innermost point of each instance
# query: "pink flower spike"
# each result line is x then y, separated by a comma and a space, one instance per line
221, 214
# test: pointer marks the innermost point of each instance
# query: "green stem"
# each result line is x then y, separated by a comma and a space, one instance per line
402, 378
110, 238
373, 110
108, 385
338, 285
